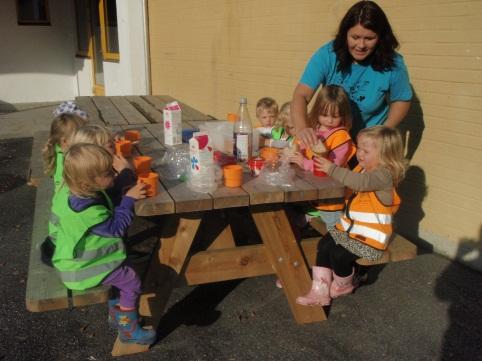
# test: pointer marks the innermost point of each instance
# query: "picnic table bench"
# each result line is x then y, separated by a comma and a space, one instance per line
184, 211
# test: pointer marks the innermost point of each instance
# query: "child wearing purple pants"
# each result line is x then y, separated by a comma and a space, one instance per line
90, 249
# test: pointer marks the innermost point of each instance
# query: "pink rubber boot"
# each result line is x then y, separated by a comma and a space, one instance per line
342, 286
319, 294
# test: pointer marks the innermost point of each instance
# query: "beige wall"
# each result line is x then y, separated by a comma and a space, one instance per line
208, 53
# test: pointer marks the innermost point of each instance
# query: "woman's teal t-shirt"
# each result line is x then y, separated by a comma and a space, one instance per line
370, 91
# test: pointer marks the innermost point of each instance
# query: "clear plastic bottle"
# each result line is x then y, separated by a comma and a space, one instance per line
243, 133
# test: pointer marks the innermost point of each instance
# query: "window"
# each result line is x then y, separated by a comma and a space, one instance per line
82, 17
109, 38
33, 12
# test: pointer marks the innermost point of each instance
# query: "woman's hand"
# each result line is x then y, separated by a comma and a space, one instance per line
119, 163
322, 164
307, 136
138, 191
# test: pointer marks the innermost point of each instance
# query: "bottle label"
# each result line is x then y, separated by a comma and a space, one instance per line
242, 147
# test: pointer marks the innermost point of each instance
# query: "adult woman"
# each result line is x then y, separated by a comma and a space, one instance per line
362, 59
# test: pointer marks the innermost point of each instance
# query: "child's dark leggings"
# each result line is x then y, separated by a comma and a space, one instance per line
334, 256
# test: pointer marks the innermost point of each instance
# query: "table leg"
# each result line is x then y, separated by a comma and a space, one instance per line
286, 258
163, 272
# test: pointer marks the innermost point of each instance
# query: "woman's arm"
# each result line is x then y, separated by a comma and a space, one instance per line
299, 104
396, 113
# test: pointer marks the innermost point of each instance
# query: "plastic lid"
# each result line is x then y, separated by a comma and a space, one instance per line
243, 100
232, 117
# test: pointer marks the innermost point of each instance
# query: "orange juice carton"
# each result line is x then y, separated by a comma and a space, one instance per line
172, 119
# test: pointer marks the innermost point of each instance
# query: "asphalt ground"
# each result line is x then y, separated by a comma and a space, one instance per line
429, 308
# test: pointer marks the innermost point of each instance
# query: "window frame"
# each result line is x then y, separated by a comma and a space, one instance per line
79, 52
43, 22
106, 54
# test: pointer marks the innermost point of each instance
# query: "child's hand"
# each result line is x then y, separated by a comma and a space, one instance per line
297, 158
322, 164
120, 163
138, 191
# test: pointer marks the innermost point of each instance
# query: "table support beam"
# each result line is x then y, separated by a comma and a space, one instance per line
286, 258
163, 273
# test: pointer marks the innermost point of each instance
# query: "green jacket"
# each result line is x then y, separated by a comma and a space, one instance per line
83, 258
58, 187
59, 167
278, 133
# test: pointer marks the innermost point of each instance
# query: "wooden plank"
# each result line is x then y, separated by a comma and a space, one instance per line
225, 197
150, 112
296, 191
91, 296
162, 203
86, 104
260, 192
286, 258
188, 113
327, 187
107, 111
44, 290
165, 268
228, 264
157, 130
224, 240
36, 172
300, 190
122, 349
318, 225
185, 199
399, 249
130, 113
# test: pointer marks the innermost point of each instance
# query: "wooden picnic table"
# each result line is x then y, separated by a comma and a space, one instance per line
185, 211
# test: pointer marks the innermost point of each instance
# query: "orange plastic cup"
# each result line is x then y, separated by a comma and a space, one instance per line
233, 175
142, 164
123, 147
269, 153
132, 135
152, 181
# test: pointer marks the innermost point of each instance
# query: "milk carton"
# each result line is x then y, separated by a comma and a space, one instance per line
200, 153
202, 170
172, 119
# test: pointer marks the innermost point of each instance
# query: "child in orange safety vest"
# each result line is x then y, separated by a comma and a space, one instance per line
365, 226
331, 118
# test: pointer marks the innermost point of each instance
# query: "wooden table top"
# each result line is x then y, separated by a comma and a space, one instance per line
145, 114
175, 196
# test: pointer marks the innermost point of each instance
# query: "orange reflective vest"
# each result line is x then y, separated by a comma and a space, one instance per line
367, 219
335, 139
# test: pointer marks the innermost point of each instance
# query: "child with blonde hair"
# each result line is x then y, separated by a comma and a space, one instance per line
125, 176
61, 129
365, 227
266, 112
63, 126
90, 249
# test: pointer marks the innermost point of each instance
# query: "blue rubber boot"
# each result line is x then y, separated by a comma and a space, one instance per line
129, 329
112, 310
